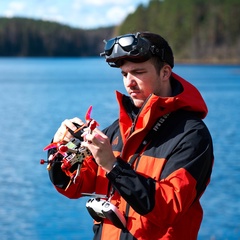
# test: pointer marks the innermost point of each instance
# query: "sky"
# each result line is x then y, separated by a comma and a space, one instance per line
86, 14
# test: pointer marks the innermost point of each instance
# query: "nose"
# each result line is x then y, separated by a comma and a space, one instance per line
129, 80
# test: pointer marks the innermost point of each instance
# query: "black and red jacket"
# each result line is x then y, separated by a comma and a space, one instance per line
159, 193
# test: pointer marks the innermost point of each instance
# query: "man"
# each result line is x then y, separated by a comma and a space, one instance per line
155, 161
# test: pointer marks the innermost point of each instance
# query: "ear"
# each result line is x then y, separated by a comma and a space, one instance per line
166, 72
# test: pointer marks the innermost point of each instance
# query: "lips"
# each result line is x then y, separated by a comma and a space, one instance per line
134, 93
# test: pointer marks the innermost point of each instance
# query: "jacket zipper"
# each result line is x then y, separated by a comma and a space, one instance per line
135, 120
138, 158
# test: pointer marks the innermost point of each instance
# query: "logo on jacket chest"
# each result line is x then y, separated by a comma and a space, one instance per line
115, 141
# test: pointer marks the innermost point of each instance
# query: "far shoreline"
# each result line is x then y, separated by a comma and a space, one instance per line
208, 61
213, 61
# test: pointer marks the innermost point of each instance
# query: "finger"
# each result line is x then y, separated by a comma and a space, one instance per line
99, 134
95, 139
84, 144
98, 137
62, 135
77, 120
67, 123
89, 138
84, 135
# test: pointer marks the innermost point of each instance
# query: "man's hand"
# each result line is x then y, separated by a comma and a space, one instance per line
99, 145
62, 130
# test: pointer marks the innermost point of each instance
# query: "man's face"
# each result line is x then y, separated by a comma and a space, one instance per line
140, 80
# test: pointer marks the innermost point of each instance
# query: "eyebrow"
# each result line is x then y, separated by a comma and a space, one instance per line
134, 70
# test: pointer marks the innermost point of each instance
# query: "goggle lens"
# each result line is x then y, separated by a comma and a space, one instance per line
109, 44
125, 42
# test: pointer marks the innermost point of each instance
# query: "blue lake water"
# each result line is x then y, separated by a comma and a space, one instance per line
38, 94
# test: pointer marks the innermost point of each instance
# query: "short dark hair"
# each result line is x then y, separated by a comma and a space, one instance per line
158, 63
166, 53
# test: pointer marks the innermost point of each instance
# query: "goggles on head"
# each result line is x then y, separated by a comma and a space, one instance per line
128, 47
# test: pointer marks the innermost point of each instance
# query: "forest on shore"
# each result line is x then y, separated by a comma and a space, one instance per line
36, 38
197, 31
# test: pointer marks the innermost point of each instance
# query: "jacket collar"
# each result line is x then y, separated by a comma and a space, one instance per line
185, 97
134, 128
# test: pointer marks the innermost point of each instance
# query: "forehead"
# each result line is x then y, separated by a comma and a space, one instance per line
131, 66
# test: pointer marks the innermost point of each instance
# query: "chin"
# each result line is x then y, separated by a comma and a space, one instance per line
138, 103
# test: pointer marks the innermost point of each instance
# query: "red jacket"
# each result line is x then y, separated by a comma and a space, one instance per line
159, 194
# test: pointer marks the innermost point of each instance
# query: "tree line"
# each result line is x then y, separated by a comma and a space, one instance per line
200, 30
36, 38
196, 29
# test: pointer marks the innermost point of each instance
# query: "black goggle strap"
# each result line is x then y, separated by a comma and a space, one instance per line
157, 52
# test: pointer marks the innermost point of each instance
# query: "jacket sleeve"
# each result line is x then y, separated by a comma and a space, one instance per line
85, 182
136, 189
184, 178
